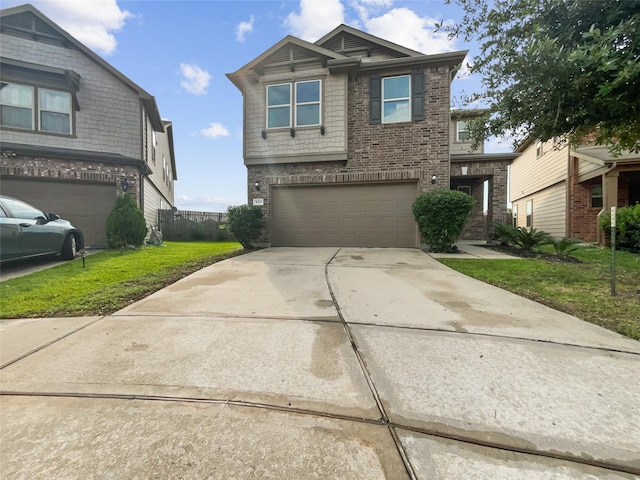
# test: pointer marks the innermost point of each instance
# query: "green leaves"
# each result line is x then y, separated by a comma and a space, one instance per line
558, 68
125, 224
245, 224
441, 216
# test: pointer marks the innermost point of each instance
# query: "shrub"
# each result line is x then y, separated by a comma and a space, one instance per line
441, 215
504, 234
244, 223
564, 246
628, 220
628, 227
125, 224
527, 240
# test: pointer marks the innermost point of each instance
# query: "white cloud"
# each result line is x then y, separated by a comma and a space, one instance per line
243, 28
91, 22
195, 80
215, 130
404, 27
316, 18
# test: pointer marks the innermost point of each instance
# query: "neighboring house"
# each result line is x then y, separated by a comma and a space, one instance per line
562, 190
341, 136
74, 131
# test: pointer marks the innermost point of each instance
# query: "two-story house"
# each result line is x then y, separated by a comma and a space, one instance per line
562, 190
341, 136
74, 131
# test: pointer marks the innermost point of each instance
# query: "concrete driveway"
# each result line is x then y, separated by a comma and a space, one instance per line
327, 363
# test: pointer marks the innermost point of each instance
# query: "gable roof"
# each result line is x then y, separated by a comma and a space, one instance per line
292, 43
345, 30
337, 61
41, 28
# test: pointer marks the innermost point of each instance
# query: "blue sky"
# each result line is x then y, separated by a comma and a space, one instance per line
180, 51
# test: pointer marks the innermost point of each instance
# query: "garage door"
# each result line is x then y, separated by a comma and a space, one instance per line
369, 215
85, 205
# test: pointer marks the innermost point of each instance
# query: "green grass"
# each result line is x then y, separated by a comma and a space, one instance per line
580, 289
109, 282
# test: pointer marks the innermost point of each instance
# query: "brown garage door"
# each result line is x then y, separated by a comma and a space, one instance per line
85, 205
369, 215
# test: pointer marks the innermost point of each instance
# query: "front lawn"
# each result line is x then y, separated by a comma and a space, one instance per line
109, 282
582, 289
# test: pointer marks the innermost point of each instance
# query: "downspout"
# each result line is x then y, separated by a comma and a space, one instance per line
613, 166
568, 225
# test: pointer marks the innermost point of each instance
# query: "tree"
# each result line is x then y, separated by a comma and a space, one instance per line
556, 67
441, 215
244, 223
125, 224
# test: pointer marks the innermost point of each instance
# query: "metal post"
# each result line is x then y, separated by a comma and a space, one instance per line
613, 251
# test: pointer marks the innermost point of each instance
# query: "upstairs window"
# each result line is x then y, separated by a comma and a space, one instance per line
396, 96
308, 103
19, 106
279, 106
55, 111
396, 99
294, 104
16, 106
462, 131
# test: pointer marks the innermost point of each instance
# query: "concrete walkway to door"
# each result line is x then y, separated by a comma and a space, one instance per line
340, 363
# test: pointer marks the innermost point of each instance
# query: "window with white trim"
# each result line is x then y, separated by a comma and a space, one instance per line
294, 104
33, 108
307, 103
529, 213
396, 99
514, 214
462, 131
16, 106
596, 196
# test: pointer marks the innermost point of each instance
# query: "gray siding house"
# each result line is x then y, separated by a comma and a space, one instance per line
341, 136
74, 131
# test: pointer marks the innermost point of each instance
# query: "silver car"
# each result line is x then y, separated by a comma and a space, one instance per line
28, 232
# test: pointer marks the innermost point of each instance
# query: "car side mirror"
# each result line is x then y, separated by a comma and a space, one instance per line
52, 217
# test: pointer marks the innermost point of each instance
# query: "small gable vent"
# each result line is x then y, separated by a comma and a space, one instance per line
27, 25
351, 42
334, 45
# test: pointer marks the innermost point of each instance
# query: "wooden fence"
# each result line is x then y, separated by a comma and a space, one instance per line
184, 225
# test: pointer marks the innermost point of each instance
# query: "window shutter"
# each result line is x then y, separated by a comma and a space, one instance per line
417, 96
375, 100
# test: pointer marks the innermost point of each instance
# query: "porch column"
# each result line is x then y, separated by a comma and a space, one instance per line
610, 190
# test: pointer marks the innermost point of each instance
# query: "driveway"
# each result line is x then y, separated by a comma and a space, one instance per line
338, 363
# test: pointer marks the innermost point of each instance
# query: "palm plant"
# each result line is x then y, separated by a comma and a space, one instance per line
527, 240
564, 246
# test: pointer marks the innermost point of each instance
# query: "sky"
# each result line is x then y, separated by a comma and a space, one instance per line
180, 50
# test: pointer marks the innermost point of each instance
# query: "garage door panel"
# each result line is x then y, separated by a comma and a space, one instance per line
85, 205
375, 215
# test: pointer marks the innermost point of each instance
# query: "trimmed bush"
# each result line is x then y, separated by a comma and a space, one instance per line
628, 227
441, 216
245, 224
125, 224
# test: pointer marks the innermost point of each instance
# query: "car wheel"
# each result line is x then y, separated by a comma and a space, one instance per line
69, 247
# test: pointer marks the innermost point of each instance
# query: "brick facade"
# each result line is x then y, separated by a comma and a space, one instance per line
348, 148
27, 167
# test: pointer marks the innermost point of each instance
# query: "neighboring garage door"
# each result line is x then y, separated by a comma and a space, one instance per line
85, 205
353, 215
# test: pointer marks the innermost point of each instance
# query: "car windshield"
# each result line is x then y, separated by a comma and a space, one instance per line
23, 210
